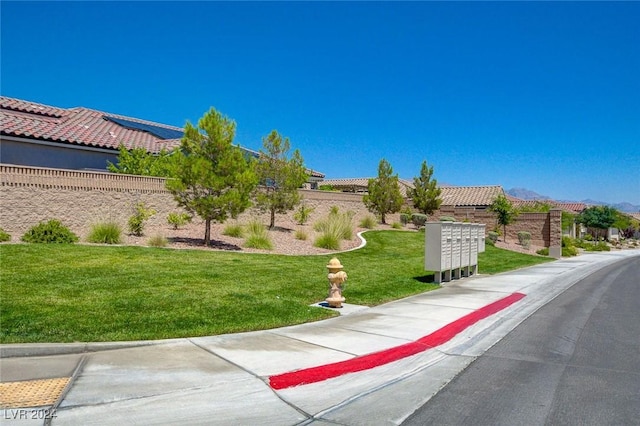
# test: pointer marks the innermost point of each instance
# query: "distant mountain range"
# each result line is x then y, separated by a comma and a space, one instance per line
527, 194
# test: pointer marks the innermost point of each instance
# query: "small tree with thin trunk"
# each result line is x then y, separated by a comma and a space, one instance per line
505, 212
280, 176
384, 195
213, 178
425, 194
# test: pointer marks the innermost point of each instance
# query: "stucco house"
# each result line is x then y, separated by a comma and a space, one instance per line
33, 134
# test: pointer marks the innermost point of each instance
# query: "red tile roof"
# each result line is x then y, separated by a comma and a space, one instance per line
82, 126
78, 126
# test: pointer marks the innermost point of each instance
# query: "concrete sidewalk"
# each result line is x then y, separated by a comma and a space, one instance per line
226, 379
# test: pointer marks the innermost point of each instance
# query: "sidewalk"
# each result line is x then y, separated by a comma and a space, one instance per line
373, 366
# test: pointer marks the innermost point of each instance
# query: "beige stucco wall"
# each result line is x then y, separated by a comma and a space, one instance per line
80, 199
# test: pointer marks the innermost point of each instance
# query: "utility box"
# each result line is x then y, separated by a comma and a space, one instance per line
456, 247
438, 246
481, 237
473, 249
464, 249
451, 249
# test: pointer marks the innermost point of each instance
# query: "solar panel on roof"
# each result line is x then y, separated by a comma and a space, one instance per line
158, 131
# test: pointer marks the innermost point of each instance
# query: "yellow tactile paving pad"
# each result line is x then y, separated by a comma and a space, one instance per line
31, 393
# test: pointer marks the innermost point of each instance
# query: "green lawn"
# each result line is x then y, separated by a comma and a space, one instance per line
68, 293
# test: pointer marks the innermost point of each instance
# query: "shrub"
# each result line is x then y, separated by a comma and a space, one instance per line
4, 237
447, 219
543, 251
158, 241
568, 241
52, 231
524, 238
233, 230
327, 241
138, 219
301, 216
489, 242
105, 233
404, 218
396, 225
569, 251
601, 246
258, 236
338, 224
301, 235
493, 236
368, 222
178, 219
418, 219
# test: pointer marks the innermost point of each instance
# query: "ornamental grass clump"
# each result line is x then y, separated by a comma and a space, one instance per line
158, 241
105, 233
368, 222
336, 227
4, 237
52, 231
234, 230
258, 237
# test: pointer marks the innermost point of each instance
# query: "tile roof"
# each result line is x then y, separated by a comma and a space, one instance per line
362, 184
451, 195
83, 126
78, 126
565, 206
570, 207
470, 195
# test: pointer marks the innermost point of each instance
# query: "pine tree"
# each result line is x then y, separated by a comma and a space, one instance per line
505, 212
279, 176
426, 194
213, 178
384, 192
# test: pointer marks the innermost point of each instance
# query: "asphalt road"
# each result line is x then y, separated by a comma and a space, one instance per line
576, 361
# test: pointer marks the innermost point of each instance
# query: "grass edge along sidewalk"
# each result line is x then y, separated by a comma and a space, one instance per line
79, 293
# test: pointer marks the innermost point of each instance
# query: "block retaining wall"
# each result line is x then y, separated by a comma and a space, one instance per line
29, 195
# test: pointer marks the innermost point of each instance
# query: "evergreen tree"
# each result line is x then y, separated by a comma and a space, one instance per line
138, 161
384, 192
505, 212
213, 178
279, 176
426, 194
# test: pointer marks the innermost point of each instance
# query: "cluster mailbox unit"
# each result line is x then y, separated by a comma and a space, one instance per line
451, 249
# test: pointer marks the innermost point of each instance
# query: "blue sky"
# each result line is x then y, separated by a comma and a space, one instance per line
541, 95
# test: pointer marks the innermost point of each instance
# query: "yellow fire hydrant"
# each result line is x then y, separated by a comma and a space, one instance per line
336, 277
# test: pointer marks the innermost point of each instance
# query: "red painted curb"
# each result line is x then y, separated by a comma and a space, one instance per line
376, 359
